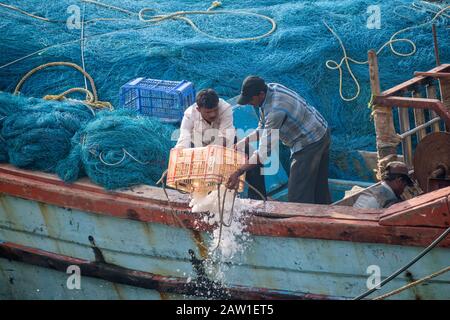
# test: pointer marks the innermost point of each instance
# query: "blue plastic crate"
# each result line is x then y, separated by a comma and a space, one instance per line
163, 99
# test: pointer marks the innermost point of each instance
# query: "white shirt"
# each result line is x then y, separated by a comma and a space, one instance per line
201, 133
371, 202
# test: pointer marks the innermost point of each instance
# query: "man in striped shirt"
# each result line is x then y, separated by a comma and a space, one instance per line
301, 128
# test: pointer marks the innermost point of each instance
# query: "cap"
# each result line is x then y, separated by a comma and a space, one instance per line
398, 167
252, 86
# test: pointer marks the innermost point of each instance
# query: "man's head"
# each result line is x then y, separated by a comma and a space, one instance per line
208, 104
253, 91
396, 175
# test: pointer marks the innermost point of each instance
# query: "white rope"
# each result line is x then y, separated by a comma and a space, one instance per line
40, 51
131, 156
181, 15
108, 6
24, 12
333, 65
125, 153
83, 65
109, 163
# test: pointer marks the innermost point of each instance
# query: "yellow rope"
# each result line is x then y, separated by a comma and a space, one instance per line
412, 284
333, 65
91, 99
61, 96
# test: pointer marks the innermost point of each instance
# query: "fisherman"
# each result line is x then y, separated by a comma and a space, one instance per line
210, 121
301, 127
394, 181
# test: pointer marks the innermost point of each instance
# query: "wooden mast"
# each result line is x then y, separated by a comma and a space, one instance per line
386, 138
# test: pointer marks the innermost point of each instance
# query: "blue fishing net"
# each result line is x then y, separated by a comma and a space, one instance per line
9, 104
119, 149
38, 135
116, 51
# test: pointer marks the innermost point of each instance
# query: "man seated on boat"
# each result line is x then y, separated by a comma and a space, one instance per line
300, 127
394, 181
210, 121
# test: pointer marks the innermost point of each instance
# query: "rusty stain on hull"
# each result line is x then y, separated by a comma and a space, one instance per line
148, 233
198, 239
7, 210
163, 295
118, 291
415, 289
48, 224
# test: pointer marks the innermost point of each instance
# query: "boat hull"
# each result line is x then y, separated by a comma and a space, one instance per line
285, 267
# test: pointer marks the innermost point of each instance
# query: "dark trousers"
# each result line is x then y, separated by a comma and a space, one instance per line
256, 180
308, 173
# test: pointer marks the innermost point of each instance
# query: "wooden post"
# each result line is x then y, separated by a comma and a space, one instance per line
403, 115
419, 118
444, 85
436, 46
386, 137
431, 94
445, 92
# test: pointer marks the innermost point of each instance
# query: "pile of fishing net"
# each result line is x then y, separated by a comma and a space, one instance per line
118, 47
118, 149
37, 134
9, 104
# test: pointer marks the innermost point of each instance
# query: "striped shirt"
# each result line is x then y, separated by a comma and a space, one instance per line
299, 123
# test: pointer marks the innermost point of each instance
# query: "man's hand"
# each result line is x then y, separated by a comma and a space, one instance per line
233, 180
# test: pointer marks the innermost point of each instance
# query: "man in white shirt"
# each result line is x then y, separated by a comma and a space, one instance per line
210, 121
394, 181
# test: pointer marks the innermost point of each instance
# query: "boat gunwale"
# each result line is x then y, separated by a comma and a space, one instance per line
270, 219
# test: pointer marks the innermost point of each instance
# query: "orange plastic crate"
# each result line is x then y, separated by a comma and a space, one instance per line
202, 169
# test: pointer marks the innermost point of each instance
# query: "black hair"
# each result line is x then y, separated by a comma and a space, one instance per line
207, 98
265, 88
393, 176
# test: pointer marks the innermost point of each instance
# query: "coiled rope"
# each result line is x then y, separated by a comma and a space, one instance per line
91, 97
181, 15
333, 65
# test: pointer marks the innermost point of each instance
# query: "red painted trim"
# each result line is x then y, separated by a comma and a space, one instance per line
414, 81
418, 103
147, 280
276, 219
431, 209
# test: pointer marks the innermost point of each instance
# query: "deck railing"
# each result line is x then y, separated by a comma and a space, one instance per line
422, 105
